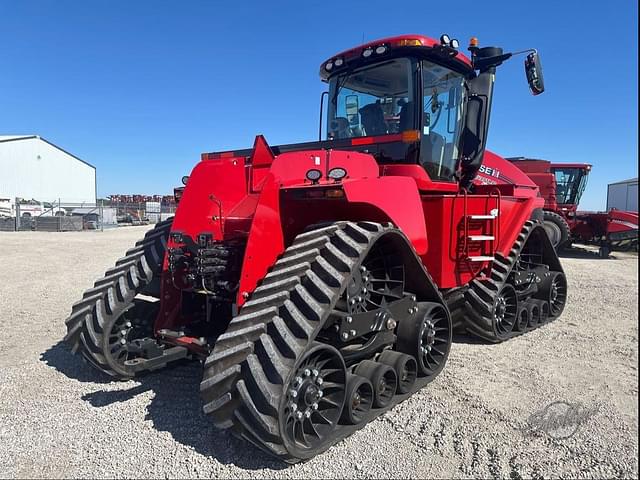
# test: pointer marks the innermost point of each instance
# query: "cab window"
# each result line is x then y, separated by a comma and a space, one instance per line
442, 118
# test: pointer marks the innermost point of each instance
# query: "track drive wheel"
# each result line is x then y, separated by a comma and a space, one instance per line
427, 337
314, 400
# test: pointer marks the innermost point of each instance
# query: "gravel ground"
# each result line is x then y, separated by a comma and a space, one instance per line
59, 418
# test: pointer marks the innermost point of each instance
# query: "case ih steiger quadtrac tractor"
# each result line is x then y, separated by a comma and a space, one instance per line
320, 283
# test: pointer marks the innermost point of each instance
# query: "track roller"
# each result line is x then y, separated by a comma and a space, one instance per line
359, 399
426, 336
534, 314
523, 319
383, 378
405, 366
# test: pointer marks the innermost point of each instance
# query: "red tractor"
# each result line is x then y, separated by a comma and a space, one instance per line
319, 283
561, 185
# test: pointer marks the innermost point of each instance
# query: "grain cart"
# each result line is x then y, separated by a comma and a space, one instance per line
319, 283
562, 185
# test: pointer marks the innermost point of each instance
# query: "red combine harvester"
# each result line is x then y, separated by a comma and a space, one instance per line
319, 283
561, 185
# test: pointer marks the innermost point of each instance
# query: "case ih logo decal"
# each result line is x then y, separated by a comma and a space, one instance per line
492, 172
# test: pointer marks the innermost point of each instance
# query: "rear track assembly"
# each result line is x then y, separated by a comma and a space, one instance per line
107, 325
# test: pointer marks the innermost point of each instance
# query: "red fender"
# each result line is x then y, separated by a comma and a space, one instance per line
399, 199
265, 241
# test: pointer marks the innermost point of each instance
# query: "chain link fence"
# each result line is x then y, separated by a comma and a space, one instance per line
64, 216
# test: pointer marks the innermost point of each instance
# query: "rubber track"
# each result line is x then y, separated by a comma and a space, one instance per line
113, 294
477, 313
245, 374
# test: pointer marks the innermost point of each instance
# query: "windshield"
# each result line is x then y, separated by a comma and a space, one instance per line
570, 183
375, 100
443, 102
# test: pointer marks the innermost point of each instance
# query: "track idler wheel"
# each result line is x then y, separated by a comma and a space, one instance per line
313, 401
405, 366
382, 377
426, 336
554, 289
359, 399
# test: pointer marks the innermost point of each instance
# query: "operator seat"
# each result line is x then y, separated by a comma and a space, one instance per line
372, 118
339, 128
433, 149
406, 117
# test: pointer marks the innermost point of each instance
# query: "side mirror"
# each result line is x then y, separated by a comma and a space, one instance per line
533, 69
351, 106
185, 179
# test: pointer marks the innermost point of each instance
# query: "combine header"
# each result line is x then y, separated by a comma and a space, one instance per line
319, 283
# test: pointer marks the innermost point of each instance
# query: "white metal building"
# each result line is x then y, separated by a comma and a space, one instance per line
623, 195
34, 168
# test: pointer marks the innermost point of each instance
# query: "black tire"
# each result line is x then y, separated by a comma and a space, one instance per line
557, 229
93, 320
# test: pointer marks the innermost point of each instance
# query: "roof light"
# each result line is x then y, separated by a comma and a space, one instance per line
313, 175
455, 43
337, 173
409, 42
328, 66
367, 52
473, 42
338, 62
381, 49
445, 39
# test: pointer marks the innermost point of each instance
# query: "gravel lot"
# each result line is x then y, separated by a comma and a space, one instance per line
59, 418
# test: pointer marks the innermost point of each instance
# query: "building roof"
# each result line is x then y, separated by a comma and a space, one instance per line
13, 138
630, 180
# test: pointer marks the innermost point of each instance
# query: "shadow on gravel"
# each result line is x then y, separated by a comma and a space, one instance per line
174, 408
60, 357
583, 253
470, 339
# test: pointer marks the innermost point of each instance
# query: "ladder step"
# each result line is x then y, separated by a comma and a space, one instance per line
482, 217
482, 258
479, 238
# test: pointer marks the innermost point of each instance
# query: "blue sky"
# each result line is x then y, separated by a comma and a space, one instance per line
141, 88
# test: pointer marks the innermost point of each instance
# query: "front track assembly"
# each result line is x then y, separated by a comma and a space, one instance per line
330, 340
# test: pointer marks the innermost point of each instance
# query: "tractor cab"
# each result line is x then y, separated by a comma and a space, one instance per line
407, 100
571, 180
